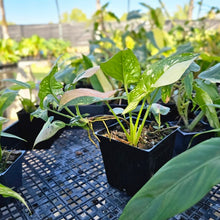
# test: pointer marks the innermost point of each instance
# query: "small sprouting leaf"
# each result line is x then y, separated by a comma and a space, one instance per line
49, 130
157, 109
118, 110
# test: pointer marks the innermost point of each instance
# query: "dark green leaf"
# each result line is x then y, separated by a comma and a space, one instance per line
178, 185
123, 66
49, 86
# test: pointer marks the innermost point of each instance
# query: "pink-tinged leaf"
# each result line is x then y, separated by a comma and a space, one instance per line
87, 74
78, 93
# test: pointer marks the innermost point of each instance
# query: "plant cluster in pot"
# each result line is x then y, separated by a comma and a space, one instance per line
127, 166
10, 161
27, 126
203, 94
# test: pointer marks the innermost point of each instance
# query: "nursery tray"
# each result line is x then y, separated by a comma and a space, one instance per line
68, 181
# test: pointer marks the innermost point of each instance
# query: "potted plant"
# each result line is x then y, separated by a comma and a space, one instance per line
125, 67
27, 126
10, 161
198, 96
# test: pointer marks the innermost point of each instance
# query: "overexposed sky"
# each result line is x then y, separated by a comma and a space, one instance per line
45, 11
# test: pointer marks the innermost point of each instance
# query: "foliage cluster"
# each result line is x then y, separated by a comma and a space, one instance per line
36, 47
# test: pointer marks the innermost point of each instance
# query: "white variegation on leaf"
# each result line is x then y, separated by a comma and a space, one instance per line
49, 130
173, 73
157, 109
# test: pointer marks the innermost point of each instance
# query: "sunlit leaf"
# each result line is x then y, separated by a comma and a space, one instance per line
161, 73
49, 85
49, 130
7, 192
84, 96
123, 66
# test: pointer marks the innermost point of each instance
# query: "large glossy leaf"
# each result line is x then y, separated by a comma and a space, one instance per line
162, 73
178, 185
123, 66
49, 130
7, 192
50, 86
212, 74
84, 97
205, 102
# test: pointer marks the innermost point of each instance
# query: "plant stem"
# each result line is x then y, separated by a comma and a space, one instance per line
59, 113
69, 111
196, 121
118, 120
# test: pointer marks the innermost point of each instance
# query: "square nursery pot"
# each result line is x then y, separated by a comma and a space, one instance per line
183, 138
128, 168
12, 177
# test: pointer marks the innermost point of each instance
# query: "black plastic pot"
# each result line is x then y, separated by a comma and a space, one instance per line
128, 168
183, 139
28, 130
12, 177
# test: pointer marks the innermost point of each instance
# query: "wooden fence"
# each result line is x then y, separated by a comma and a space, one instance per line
79, 34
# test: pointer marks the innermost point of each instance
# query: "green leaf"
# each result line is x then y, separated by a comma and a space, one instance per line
40, 113
188, 81
162, 73
49, 86
123, 66
49, 130
4, 134
20, 84
87, 63
212, 74
178, 185
203, 99
7, 192
6, 99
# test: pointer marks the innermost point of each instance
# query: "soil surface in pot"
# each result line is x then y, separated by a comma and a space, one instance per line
198, 128
150, 136
8, 157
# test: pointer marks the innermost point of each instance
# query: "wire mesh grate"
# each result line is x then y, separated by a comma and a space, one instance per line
68, 181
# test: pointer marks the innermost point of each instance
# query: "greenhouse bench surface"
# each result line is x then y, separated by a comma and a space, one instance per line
68, 181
